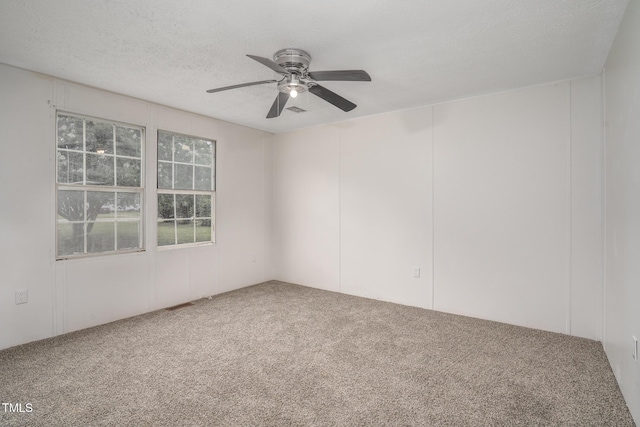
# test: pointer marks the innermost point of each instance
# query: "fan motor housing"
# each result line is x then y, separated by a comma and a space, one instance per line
292, 60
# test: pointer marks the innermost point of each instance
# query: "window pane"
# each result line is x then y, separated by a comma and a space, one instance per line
107, 211
99, 137
128, 141
70, 168
165, 175
202, 152
165, 206
203, 230
185, 231
184, 177
70, 238
70, 133
98, 153
99, 169
203, 178
100, 237
184, 205
128, 172
183, 150
71, 205
165, 141
166, 233
203, 206
189, 166
100, 205
128, 205
128, 234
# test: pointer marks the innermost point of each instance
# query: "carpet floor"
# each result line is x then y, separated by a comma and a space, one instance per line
279, 354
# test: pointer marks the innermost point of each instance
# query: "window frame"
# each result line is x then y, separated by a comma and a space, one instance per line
176, 191
84, 188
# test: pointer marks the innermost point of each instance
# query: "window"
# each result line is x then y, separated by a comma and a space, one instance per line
186, 189
99, 186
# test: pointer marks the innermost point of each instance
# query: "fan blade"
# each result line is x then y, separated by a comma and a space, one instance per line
220, 89
341, 75
332, 98
278, 105
269, 63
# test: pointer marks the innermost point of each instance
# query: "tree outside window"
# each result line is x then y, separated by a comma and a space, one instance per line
99, 186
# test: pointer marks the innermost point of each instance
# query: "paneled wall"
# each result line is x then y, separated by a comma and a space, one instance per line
73, 294
496, 199
502, 207
622, 248
306, 208
385, 212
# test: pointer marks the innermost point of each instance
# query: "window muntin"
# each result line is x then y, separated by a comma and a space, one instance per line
99, 186
186, 189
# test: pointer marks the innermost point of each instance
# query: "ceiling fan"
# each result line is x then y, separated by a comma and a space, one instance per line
293, 66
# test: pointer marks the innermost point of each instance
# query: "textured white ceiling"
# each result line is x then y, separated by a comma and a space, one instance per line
417, 52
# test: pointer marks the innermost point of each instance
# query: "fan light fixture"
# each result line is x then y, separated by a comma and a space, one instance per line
292, 86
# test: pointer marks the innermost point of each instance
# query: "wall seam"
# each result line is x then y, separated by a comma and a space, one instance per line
570, 173
604, 211
65, 299
339, 210
53, 235
275, 248
264, 212
275, 236
65, 290
433, 208
150, 263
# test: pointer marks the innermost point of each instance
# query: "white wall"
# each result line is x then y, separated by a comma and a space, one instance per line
622, 192
496, 198
74, 294
385, 213
502, 207
26, 207
306, 208
587, 203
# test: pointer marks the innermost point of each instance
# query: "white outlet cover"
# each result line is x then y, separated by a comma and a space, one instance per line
22, 296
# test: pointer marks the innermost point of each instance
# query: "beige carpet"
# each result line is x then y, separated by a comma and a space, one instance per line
281, 354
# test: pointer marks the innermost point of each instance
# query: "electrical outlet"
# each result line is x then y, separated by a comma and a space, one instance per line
416, 272
22, 296
634, 351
